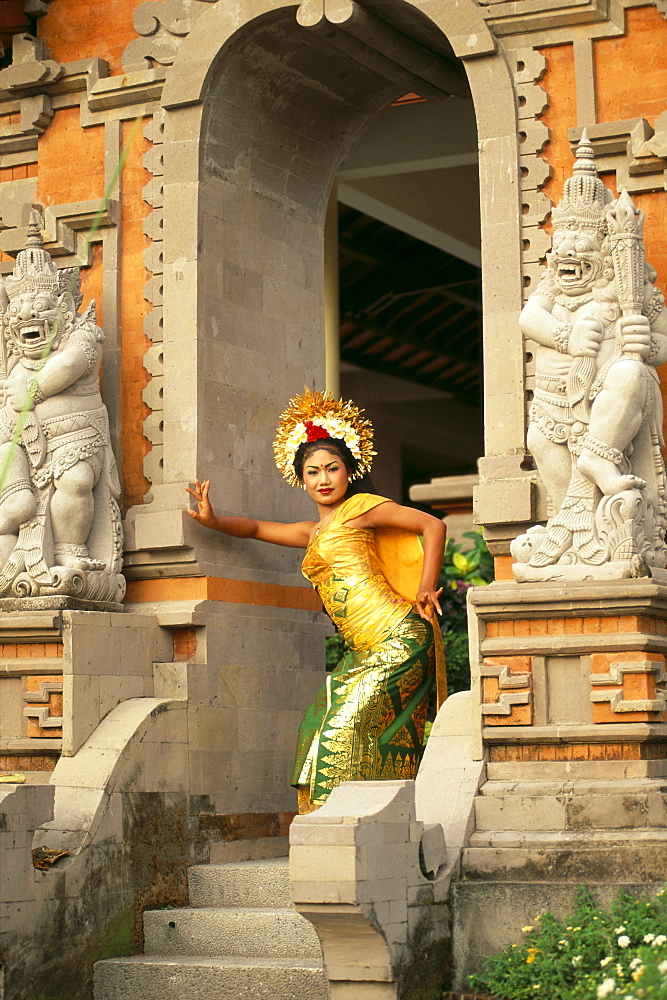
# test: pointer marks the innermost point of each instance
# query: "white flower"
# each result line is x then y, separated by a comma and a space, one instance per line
636, 962
606, 987
660, 940
663, 967
619, 930
623, 941
648, 938
576, 960
605, 961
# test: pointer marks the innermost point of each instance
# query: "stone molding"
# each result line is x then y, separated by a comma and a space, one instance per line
635, 151
153, 292
511, 17
508, 682
66, 231
618, 669
39, 705
529, 66
162, 26
36, 8
35, 87
512, 701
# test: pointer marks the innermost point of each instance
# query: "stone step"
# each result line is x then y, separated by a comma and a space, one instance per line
245, 883
569, 839
572, 786
554, 770
243, 931
525, 809
188, 977
568, 861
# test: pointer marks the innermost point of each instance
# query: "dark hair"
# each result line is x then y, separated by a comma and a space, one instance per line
337, 447
334, 445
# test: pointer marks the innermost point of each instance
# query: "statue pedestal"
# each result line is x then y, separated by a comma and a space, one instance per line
574, 729
573, 671
56, 602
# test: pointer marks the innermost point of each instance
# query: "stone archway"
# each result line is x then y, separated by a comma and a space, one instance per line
259, 112
245, 79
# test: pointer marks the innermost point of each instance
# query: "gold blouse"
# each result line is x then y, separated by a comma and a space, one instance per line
342, 563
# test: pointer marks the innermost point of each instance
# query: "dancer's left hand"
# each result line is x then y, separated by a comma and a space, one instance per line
428, 603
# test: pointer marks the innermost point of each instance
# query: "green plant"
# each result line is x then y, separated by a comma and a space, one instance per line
461, 570
474, 566
620, 954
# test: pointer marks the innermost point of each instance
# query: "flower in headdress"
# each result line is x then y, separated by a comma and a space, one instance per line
315, 416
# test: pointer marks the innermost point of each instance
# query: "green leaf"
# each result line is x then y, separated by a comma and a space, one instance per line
461, 562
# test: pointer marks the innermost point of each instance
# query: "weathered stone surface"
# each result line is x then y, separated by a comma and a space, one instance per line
173, 978
249, 931
257, 883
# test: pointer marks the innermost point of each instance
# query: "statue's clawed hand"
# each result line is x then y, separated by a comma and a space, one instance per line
635, 335
18, 384
586, 337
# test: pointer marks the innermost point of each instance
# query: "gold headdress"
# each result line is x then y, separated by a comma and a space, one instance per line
312, 416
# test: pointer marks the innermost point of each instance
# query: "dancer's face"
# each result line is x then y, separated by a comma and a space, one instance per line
325, 477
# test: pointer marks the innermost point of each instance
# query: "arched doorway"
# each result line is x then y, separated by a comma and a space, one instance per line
261, 110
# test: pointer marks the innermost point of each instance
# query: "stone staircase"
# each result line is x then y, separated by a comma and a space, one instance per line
542, 831
240, 939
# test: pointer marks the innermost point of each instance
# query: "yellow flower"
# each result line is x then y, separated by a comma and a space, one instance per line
532, 952
527, 929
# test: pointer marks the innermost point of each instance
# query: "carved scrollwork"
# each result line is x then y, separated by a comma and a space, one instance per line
162, 24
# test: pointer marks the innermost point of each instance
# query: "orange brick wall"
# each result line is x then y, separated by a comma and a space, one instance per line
70, 169
77, 29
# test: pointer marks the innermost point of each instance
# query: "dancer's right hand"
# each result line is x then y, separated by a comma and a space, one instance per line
204, 513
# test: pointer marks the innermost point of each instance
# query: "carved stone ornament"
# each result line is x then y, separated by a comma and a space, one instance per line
598, 329
60, 526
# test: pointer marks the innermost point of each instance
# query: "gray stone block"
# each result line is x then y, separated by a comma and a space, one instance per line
255, 883
248, 931
575, 861
513, 904
159, 978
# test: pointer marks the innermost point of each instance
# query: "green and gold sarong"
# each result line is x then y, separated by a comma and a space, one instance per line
367, 721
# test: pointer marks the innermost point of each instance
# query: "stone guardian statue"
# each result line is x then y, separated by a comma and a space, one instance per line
60, 525
598, 328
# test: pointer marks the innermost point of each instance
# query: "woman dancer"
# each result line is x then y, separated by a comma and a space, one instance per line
377, 585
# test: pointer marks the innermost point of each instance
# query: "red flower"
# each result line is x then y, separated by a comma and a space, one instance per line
314, 432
